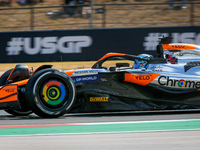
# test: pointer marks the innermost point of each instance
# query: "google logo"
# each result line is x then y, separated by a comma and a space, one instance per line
181, 83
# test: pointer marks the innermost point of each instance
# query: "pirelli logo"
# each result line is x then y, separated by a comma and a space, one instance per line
98, 99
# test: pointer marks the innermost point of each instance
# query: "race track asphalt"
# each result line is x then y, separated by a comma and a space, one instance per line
140, 140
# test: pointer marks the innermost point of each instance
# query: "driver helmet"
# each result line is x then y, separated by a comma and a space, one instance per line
168, 55
173, 59
138, 64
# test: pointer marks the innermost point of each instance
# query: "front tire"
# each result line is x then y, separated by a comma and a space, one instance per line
50, 93
4, 77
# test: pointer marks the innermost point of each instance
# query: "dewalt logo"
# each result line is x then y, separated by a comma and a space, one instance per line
98, 99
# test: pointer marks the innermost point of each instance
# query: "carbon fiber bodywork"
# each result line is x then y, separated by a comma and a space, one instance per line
112, 93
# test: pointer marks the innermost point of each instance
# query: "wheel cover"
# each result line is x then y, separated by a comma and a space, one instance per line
53, 93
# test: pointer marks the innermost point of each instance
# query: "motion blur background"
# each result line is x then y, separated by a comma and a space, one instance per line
85, 30
54, 14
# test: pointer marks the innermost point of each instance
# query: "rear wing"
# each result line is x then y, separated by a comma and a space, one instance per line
164, 40
179, 49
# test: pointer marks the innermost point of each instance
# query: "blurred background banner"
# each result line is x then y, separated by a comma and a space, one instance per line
77, 30
88, 44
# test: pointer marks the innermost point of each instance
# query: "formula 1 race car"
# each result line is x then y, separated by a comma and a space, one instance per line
136, 83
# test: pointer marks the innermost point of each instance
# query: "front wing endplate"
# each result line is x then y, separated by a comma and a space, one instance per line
8, 96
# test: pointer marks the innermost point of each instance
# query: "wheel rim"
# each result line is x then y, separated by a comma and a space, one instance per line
53, 93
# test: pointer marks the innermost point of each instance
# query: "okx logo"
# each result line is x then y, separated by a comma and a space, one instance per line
47, 45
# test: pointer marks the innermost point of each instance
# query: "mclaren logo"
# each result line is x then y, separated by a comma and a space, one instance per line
166, 81
10, 90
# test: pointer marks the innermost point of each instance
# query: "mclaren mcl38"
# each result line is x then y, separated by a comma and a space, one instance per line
170, 81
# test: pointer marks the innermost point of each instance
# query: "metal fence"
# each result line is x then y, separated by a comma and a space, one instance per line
101, 16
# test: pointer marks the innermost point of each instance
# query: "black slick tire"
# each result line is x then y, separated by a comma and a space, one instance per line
50, 93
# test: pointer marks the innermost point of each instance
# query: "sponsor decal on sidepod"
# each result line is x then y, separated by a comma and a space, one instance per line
178, 83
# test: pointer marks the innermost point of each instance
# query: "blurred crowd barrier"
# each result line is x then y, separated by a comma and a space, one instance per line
99, 16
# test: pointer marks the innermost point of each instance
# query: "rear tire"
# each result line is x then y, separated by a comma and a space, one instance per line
50, 93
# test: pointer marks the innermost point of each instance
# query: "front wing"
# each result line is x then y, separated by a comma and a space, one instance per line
9, 96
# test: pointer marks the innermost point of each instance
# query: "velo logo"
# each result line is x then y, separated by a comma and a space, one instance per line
142, 77
47, 45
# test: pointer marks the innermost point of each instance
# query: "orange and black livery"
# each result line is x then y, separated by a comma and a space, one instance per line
116, 82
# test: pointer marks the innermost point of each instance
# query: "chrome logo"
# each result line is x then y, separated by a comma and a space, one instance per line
181, 83
178, 83
53, 92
